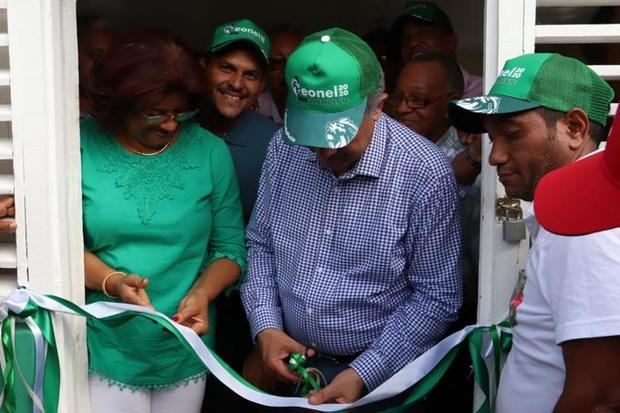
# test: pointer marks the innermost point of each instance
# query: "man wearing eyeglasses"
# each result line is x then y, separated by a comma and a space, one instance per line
271, 103
424, 87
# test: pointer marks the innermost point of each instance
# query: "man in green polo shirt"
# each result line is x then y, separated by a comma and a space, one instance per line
543, 112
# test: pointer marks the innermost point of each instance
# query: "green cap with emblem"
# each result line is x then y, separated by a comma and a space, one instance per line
243, 30
330, 77
426, 12
536, 80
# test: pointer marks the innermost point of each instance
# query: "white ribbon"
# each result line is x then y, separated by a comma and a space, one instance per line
401, 381
40, 346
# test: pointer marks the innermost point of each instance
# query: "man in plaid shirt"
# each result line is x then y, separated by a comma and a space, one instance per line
354, 241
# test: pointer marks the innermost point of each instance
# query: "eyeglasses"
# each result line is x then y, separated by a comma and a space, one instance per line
412, 101
156, 119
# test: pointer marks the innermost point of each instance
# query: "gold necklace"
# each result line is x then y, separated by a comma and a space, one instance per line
137, 152
154, 153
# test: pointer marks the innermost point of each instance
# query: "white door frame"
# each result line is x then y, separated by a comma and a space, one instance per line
45, 129
506, 35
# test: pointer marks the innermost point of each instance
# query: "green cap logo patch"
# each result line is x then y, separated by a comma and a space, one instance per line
335, 95
233, 29
336, 132
509, 77
240, 30
481, 104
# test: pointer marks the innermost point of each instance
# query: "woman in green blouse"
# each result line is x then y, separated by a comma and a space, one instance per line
162, 224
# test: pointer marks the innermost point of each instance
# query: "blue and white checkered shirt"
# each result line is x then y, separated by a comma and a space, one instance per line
367, 262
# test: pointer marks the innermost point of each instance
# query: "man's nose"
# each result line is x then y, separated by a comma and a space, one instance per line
236, 81
169, 125
499, 154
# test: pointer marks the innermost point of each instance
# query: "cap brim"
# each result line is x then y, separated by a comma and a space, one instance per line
224, 45
467, 114
578, 199
320, 129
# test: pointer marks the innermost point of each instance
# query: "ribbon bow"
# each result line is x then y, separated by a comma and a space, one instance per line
20, 313
296, 363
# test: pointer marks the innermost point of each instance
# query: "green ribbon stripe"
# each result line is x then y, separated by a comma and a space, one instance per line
475, 341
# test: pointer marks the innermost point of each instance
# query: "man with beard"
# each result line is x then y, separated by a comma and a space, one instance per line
235, 70
543, 112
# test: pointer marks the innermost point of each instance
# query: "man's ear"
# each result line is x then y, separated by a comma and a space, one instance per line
577, 127
377, 113
203, 62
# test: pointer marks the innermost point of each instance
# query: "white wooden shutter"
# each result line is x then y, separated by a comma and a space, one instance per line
8, 255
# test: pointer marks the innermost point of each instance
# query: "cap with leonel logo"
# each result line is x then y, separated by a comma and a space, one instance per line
532, 80
243, 30
330, 77
426, 13
429, 13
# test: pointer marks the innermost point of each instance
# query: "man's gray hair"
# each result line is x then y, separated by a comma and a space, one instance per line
375, 98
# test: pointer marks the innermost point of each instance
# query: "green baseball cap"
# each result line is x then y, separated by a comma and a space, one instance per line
243, 30
330, 77
536, 80
426, 13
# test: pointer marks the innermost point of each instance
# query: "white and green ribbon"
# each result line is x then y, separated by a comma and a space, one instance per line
486, 346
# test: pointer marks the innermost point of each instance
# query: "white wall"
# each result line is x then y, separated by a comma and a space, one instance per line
195, 19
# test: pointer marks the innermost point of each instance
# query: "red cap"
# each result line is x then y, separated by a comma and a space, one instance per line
584, 196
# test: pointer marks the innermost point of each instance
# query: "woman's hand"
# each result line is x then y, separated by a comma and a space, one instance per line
130, 289
193, 311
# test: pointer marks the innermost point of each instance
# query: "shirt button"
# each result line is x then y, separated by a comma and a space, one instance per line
313, 345
309, 311
319, 270
336, 190
328, 232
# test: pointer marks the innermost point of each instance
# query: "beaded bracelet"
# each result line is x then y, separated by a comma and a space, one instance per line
105, 280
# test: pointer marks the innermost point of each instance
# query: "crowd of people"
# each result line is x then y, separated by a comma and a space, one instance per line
329, 186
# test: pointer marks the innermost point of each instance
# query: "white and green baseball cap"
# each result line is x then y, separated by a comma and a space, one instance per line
330, 77
534, 80
243, 30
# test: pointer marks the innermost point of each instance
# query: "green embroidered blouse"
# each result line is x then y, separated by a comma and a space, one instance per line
164, 217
